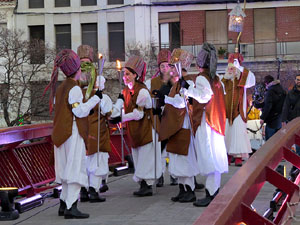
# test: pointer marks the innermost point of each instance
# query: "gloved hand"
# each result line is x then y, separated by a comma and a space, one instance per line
99, 94
183, 83
156, 111
91, 112
115, 120
157, 93
190, 99
121, 96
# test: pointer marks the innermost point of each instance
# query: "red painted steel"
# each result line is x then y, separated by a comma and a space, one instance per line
232, 205
26, 165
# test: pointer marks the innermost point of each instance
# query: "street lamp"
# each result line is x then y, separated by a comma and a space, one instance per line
236, 19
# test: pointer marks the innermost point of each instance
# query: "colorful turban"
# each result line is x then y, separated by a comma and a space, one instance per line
85, 52
185, 57
207, 58
69, 63
138, 65
164, 55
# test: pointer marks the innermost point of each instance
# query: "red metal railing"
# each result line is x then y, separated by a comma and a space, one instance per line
232, 206
26, 165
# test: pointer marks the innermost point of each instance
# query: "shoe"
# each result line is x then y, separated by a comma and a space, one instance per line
84, 195
173, 181
238, 161
207, 200
160, 181
180, 194
198, 186
145, 190
230, 159
94, 196
62, 208
104, 188
74, 213
189, 195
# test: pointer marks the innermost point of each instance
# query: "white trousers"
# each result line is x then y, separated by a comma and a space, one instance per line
213, 182
187, 181
69, 193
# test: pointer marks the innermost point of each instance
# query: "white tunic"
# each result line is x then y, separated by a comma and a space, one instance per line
102, 169
181, 165
70, 164
210, 145
236, 137
143, 156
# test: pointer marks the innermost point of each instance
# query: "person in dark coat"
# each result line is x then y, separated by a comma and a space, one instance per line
272, 108
291, 107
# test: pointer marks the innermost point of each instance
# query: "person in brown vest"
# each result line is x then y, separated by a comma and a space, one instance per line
209, 119
97, 163
69, 134
160, 79
139, 124
236, 81
175, 127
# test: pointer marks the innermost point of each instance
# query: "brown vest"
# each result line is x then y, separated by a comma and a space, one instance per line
171, 126
215, 112
63, 118
104, 142
139, 131
234, 96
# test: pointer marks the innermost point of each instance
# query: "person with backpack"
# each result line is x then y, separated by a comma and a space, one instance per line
272, 107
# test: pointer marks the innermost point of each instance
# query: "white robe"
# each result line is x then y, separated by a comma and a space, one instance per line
210, 145
70, 164
97, 173
181, 165
143, 156
236, 137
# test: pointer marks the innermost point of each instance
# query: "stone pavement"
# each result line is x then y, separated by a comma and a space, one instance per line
122, 208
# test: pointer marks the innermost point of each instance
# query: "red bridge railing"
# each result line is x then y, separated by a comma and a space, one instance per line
25, 156
232, 206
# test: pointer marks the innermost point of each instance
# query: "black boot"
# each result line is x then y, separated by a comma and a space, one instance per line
145, 190
104, 187
180, 194
189, 195
173, 181
205, 201
74, 213
84, 195
198, 186
62, 208
160, 181
94, 196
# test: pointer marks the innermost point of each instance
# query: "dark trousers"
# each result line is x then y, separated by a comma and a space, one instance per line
269, 132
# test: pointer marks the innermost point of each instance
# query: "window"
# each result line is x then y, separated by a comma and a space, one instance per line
37, 42
115, 2
89, 35
88, 2
36, 4
116, 41
216, 28
62, 3
63, 36
264, 32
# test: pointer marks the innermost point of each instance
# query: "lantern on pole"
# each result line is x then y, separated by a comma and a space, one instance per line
236, 19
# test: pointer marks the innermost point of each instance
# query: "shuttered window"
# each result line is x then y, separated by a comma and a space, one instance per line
36, 4
89, 35
116, 41
63, 36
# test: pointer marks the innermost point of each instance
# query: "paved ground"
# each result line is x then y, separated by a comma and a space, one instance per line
122, 208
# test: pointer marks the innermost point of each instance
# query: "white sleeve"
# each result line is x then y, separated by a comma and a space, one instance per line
134, 115
83, 109
148, 84
250, 80
117, 107
144, 99
106, 104
202, 92
177, 101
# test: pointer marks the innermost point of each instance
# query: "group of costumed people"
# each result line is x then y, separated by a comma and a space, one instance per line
197, 121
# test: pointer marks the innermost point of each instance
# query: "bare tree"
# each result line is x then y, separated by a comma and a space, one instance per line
21, 63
